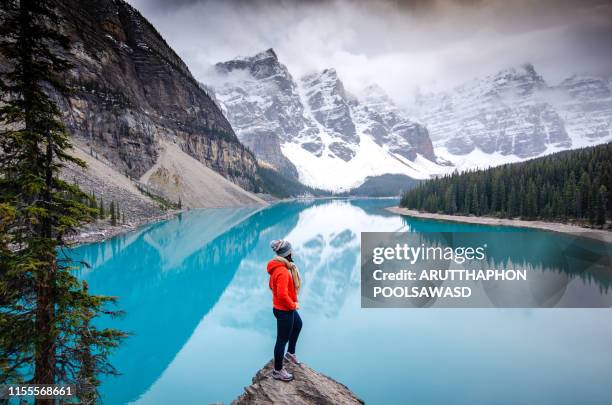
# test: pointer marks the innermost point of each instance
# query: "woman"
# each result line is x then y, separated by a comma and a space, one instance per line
285, 283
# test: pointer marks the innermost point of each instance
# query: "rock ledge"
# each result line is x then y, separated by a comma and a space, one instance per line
308, 387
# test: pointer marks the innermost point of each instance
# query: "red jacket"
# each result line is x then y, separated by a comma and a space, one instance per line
281, 284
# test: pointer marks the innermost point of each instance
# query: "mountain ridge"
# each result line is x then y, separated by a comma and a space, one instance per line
132, 93
310, 127
515, 114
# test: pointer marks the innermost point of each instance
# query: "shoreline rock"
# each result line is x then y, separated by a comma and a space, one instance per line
595, 234
308, 387
102, 230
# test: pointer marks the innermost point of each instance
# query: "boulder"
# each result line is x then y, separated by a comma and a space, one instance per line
308, 387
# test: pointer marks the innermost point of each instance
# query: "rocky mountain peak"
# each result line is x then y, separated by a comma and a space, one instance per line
313, 126
261, 100
522, 80
267, 54
264, 65
390, 126
515, 113
326, 81
328, 103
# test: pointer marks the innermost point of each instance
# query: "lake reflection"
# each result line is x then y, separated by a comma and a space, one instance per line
197, 301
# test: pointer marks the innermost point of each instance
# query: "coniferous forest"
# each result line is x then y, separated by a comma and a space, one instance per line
572, 185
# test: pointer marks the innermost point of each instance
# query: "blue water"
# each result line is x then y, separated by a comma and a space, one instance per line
197, 302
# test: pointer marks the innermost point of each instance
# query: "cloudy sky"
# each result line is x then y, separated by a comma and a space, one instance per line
401, 45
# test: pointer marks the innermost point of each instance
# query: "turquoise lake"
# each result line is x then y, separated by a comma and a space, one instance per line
195, 292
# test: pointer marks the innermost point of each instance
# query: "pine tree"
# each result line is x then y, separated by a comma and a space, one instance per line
584, 190
92, 202
113, 218
474, 205
467, 200
602, 203
101, 210
450, 204
180, 203
42, 301
570, 195
531, 200
512, 202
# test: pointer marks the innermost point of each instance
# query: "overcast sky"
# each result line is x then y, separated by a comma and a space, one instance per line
400, 45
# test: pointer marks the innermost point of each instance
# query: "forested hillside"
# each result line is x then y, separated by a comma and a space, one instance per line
281, 186
570, 185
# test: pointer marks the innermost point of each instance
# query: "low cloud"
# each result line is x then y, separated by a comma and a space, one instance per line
401, 45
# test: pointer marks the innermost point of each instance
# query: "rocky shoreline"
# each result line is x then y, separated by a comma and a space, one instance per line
575, 230
102, 230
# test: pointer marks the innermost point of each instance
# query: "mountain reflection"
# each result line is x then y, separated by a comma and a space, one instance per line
203, 276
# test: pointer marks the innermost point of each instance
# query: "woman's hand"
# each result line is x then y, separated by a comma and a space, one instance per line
297, 306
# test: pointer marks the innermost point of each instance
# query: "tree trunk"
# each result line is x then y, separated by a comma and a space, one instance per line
45, 304
45, 317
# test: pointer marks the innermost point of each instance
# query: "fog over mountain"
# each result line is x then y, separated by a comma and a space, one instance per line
400, 45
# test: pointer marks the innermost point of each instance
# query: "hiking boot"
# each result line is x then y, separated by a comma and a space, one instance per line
292, 358
282, 375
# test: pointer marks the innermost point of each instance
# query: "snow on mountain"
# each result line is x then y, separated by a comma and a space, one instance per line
314, 130
325, 240
260, 100
585, 104
505, 114
380, 117
515, 115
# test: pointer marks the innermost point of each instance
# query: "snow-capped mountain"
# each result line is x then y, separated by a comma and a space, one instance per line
515, 115
506, 113
389, 125
261, 101
585, 104
314, 130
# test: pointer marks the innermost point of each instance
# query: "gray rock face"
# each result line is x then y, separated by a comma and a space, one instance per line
262, 103
508, 113
329, 105
390, 126
132, 90
271, 111
585, 104
308, 387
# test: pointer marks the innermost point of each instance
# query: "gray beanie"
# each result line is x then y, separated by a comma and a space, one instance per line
281, 247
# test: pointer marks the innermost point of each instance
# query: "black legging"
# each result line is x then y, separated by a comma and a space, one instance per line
288, 327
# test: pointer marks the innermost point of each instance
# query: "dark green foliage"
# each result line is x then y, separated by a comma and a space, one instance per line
386, 185
101, 210
113, 215
45, 310
601, 205
163, 202
570, 185
91, 202
281, 186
